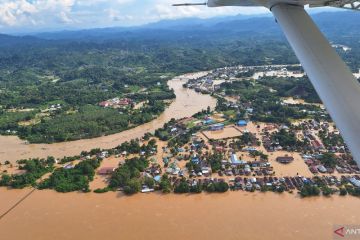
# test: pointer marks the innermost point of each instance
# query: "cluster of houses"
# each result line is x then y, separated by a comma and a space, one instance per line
116, 103
276, 183
240, 174
55, 107
234, 166
243, 175
211, 82
343, 166
245, 168
272, 183
220, 126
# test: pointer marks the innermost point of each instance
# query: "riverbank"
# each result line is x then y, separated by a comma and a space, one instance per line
233, 215
187, 103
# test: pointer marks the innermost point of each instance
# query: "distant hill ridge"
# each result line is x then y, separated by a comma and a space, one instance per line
332, 23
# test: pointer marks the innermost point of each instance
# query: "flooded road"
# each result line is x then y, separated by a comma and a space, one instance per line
234, 215
187, 103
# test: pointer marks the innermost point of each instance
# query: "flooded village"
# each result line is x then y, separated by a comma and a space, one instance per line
222, 149
231, 152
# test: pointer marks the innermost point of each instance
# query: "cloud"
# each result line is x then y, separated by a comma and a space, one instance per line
12, 11
22, 12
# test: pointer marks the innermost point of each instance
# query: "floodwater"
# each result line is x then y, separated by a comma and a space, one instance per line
187, 103
227, 132
233, 215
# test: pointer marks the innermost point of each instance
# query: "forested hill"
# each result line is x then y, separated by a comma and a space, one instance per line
332, 23
193, 44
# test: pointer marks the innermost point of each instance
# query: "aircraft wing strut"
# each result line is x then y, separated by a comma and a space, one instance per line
332, 79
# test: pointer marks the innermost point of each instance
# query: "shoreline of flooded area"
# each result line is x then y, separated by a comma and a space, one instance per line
187, 103
232, 215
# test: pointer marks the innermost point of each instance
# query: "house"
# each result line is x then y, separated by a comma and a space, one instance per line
355, 182
316, 144
195, 160
124, 102
219, 149
146, 189
104, 104
249, 149
206, 171
242, 123
322, 169
69, 166
250, 110
309, 162
234, 159
208, 121
217, 127
157, 178
285, 159
181, 150
106, 170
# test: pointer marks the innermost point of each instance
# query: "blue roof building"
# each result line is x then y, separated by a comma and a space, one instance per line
195, 160
208, 121
242, 123
157, 178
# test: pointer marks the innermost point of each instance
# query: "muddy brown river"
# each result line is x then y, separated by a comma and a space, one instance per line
187, 103
47, 215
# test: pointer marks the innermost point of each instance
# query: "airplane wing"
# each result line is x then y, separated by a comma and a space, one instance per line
331, 78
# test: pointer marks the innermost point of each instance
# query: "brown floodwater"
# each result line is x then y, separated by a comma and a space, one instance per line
187, 103
233, 215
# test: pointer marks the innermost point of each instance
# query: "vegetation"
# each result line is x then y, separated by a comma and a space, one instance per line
72, 179
309, 190
266, 103
343, 191
127, 176
215, 161
287, 139
330, 139
102, 190
292, 87
182, 187
217, 187
329, 160
165, 184
34, 170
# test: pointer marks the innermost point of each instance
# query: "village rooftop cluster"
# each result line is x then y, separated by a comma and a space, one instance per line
217, 150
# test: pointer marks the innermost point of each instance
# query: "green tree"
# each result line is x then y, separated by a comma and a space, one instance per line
133, 186
165, 184
343, 192
182, 187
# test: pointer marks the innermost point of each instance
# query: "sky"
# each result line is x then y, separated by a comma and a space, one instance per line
32, 15
48, 15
